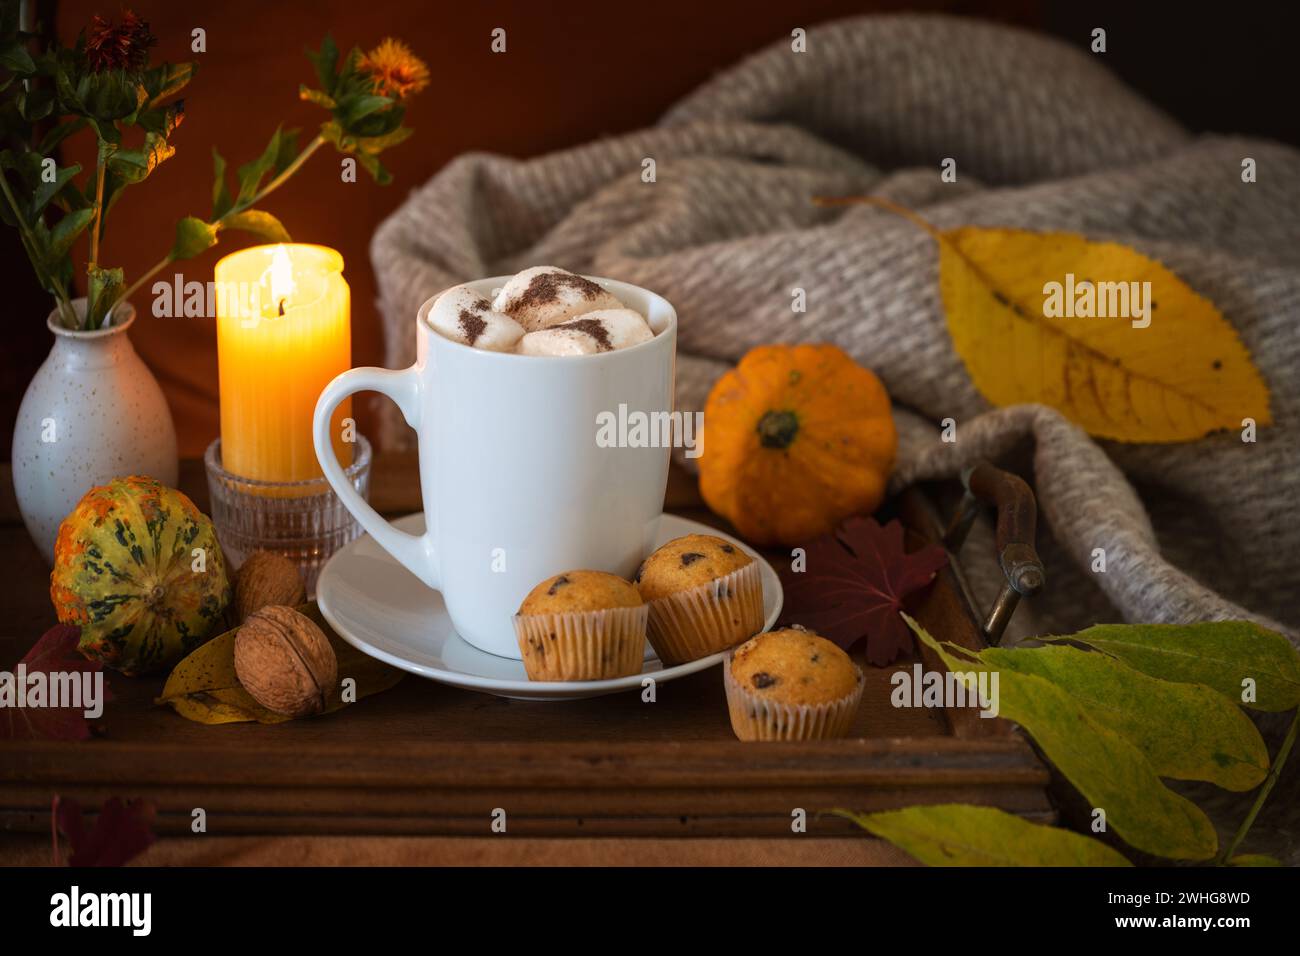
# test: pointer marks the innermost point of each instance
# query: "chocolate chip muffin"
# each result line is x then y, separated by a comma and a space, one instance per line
705, 595
791, 684
582, 625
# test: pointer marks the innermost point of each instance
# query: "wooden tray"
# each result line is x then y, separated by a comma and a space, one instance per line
424, 758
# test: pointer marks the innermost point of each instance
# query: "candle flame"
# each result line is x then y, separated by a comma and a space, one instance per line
280, 273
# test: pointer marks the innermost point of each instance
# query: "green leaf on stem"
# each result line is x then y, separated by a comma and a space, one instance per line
160, 82
135, 165
377, 144
1109, 770
955, 834
14, 56
64, 65
65, 232
221, 201
252, 173
287, 154
1186, 731
375, 168
358, 108
367, 158
326, 61
261, 224
35, 104
1230, 656
46, 191
162, 121
193, 236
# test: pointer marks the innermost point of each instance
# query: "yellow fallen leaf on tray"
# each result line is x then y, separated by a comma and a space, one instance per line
203, 687
1107, 336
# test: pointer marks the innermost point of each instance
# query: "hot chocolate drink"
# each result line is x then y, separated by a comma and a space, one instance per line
540, 311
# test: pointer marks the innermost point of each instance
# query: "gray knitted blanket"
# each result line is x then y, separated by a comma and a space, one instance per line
1044, 138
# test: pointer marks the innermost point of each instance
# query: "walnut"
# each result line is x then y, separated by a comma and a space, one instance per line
285, 662
267, 578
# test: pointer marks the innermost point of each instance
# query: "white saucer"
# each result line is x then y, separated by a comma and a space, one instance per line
380, 608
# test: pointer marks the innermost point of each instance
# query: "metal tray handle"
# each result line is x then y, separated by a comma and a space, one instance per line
1017, 513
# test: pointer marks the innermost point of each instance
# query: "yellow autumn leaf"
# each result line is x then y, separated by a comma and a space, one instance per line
204, 688
956, 834
1034, 318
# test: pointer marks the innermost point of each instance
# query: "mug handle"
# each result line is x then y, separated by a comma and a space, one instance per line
415, 552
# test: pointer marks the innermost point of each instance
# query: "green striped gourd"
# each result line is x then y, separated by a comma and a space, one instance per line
138, 568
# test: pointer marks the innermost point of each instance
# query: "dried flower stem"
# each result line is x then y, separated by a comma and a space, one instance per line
99, 210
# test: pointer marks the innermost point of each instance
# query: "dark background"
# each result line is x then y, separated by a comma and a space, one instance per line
573, 71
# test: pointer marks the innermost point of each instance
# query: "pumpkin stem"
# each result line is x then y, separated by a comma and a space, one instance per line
777, 429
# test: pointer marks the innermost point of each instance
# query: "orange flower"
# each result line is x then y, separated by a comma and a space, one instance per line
395, 70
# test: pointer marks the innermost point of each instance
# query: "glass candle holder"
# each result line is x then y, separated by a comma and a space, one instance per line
302, 520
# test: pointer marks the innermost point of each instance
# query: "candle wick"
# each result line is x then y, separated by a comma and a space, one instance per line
282, 306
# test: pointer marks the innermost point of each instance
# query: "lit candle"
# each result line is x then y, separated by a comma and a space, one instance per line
283, 333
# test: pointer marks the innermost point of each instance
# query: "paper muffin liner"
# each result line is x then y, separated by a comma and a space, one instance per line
712, 617
758, 718
583, 645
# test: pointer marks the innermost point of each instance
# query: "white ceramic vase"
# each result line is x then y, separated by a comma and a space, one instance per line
94, 412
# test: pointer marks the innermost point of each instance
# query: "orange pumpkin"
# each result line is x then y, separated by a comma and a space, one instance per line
796, 438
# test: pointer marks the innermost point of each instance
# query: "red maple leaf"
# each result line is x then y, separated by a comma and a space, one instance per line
123, 830
854, 585
56, 652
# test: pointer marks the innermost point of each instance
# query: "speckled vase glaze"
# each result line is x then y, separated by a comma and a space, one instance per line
93, 412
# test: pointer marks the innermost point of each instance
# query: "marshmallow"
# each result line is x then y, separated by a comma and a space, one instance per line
604, 330
544, 296
464, 316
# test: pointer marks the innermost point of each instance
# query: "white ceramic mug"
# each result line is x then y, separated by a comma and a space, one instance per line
516, 486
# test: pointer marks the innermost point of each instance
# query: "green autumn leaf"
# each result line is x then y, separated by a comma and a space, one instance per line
371, 164
358, 108
66, 231
1218, 654
203, 687
377, 144
1186, 731
14, 56
221, 199
279, 153
1110, 772
261, 224
35, 104
135, 165
46, 191
955, 834
193, 236
326, 61
165, 80
163, 120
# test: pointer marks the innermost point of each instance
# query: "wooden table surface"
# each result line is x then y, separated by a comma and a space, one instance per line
683, 734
